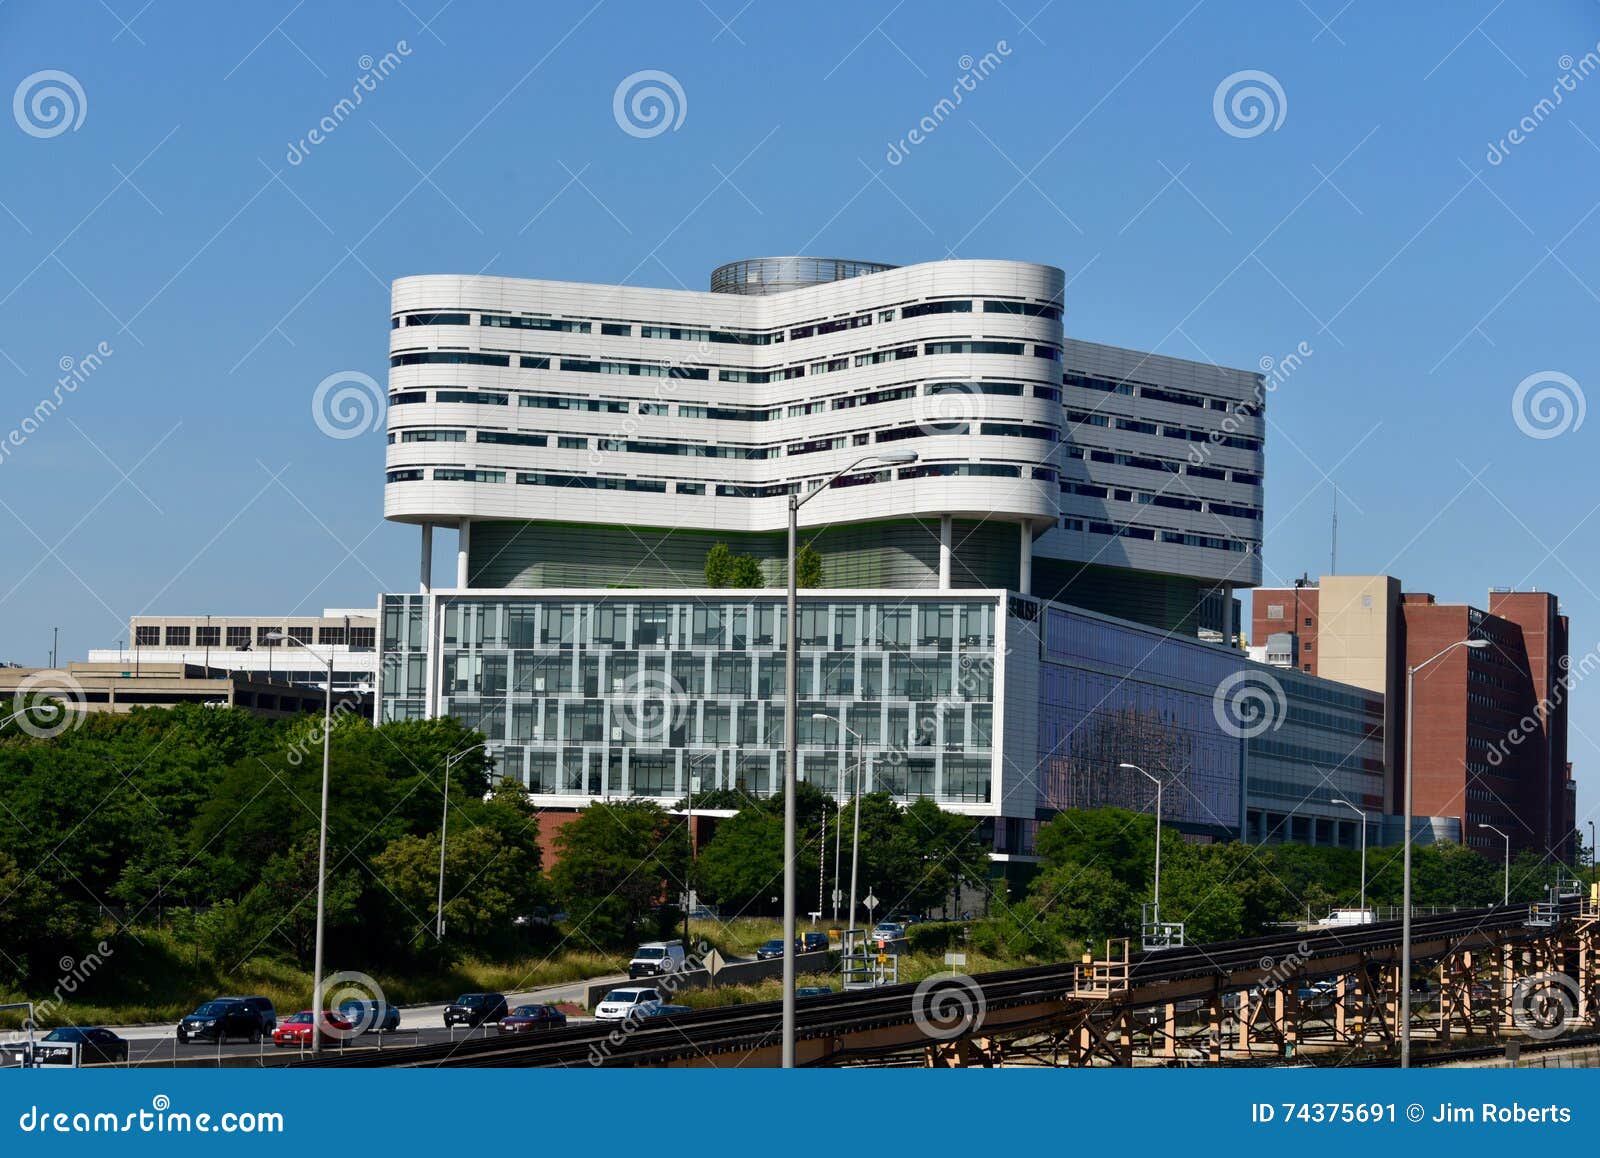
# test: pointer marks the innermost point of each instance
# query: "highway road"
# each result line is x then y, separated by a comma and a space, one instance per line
156, 1045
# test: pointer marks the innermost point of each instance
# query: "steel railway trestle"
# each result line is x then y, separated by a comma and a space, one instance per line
1492, 973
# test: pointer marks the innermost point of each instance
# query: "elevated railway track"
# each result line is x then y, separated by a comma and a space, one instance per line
1491, 972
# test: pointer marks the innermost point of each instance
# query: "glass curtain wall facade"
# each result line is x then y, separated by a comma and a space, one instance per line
585, 696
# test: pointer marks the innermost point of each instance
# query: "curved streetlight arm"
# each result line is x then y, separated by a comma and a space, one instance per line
889, 459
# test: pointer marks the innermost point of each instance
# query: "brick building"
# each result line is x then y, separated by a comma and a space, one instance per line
1490, 724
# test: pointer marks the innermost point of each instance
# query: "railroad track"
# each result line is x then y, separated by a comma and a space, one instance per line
745, 1029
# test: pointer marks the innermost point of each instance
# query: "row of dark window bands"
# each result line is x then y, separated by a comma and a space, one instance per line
703, 373
1051, 312
722, 490
469, 397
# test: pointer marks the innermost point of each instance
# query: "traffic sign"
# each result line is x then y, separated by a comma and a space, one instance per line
871, 902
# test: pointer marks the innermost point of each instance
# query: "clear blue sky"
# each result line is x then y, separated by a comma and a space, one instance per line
187, 475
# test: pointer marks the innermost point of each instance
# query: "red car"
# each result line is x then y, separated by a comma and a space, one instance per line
296, 1030
525, 1018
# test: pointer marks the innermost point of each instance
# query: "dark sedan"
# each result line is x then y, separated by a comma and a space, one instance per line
370, 1016
96, 1046
528, 1018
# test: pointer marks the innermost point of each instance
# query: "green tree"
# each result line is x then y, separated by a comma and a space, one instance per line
719, 565
808, 567
745, 572
619, 862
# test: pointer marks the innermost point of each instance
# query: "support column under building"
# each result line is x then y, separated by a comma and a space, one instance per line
1025, 571
463, 545
945, 552
427, 557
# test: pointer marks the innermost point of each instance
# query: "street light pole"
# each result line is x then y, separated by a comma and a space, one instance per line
688, 825
322, 838
1363, 817
1405, 902
1147, 776
791, 708
1505, 895
444, 828
855, 842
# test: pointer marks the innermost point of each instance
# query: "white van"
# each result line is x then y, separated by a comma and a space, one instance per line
656, 959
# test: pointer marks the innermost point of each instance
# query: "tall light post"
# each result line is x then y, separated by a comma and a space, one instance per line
444, 828
791, 735
1363, 817
1157, 783
855, 839
1405, 901
1505, 892
47, 709
322, 833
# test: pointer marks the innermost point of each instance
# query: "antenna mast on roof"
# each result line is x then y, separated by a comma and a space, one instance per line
1333, 553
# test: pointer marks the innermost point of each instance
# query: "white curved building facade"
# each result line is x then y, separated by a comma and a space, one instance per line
556, 422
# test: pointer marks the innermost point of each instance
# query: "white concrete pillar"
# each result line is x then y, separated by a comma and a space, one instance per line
463, 545
1025, 573
945, 552
427, 557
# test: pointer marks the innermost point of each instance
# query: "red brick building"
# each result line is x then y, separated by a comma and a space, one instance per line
1489, 724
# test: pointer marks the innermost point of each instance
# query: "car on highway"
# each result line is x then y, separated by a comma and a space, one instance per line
668, 1010
887, 931
219, 1020
475, 1009
768, 950
527, 1018
96, 1046
370, 1016
656, 959
621, 1004
812, 990
813, 942
296, 1029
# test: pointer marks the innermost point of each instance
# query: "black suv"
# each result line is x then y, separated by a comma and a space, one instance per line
475, 1009
219, 1020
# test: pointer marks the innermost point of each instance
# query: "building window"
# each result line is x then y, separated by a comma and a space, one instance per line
300, 634
146, 637
263, 632
238, 637
208, 636
1274, 611
177, 637
332, 636
363, 638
